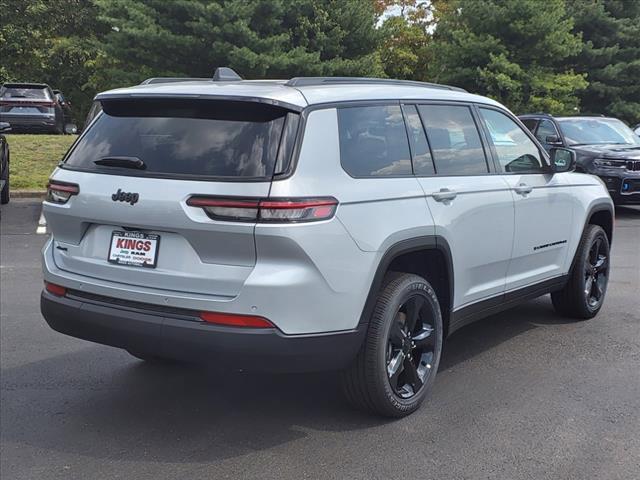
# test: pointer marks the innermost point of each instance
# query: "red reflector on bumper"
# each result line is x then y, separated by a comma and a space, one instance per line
58, 290
235, 320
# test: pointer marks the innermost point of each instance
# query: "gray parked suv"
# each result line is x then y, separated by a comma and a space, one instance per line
316, 223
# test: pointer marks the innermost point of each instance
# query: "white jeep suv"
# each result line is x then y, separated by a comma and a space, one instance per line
316, 223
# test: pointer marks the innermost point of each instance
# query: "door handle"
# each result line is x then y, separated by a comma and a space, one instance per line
444, 195
523, 189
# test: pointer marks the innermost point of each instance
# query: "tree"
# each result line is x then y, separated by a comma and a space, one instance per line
50, 42
611, 57
258, 38
405, 32
512, 50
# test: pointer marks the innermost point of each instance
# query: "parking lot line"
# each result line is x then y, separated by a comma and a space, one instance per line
42, 225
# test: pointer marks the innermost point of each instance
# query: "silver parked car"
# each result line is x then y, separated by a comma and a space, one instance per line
316, 223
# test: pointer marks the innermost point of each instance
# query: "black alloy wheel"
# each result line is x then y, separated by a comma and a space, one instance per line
411, 347
583, 294
397, 363
596, 273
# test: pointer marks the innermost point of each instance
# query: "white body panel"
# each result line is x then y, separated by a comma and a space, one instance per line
478, 226
310, 278
543, 227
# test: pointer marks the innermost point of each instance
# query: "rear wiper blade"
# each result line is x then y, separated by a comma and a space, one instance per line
122, 162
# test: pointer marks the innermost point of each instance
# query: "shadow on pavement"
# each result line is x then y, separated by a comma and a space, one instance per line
185, 413
627, 212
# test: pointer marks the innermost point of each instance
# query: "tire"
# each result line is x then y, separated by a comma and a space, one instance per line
369, 383
4, 194
58, 128
583, 295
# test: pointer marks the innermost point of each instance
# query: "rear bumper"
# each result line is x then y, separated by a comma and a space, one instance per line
26, 122
183, 336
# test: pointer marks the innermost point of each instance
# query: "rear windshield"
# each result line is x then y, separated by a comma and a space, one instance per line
185, 138
38, 93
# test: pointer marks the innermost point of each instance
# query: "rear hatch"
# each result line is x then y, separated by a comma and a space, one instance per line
138, 164
25, 100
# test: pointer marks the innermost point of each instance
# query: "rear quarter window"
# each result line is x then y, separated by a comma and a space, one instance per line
178, 138
373, 141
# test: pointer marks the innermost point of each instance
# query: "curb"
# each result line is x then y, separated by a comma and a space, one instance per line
35, 194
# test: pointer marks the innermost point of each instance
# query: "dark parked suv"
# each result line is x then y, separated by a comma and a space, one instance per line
604, 146
31, 107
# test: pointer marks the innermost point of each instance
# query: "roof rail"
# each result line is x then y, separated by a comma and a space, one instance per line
310, 81
154, 80
222, 74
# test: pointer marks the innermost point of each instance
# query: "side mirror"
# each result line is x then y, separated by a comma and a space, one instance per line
70, 128
5, 127
553, 140
562, 160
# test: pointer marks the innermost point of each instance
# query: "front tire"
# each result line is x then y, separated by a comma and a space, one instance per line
583, 295
397, 363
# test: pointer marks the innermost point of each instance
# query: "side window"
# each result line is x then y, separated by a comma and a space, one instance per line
373, 141
422, 162
546, 129
530, 123
516, 152
454, 138
95, 109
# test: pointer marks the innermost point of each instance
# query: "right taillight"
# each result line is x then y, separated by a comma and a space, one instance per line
273, 210
59, 192
234, 320
58, 290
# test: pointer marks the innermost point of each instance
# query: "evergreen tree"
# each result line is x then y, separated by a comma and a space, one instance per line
611, 57
257, 38
512, 50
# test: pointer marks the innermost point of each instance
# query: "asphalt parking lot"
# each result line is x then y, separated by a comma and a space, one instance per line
521, 395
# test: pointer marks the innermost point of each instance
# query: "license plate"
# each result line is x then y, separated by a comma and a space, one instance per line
135, 249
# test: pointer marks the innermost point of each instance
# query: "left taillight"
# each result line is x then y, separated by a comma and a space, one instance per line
59, 192
272, 210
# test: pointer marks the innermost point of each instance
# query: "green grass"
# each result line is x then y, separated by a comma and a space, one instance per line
33, 158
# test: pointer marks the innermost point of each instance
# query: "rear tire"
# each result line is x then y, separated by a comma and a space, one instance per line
397, 363
58, 128
5, 196
583, 295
